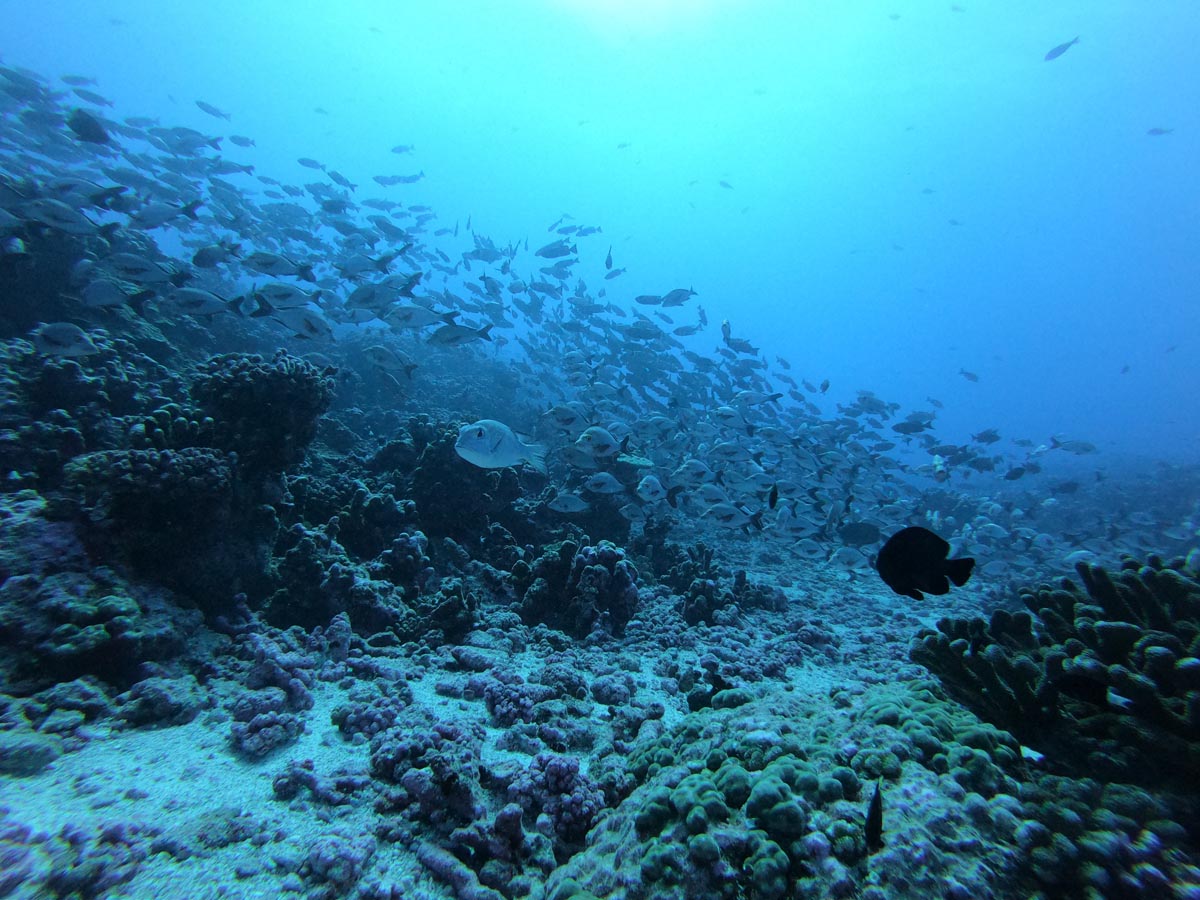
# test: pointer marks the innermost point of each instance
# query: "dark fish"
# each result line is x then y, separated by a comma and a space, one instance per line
726, 185
389, 180
858, 534
987, 436
87, 127
970, 376
914, 559
555, 250
1014, 473
1159, 132
608, 259
212, 110
92, 97
1061, 49
773, 497
311, 163
873, 830
241, 140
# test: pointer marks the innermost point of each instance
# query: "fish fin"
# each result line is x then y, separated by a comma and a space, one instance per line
263, 308
672, 494
535, 455
138, 301
873, 830
190, 209
959, 570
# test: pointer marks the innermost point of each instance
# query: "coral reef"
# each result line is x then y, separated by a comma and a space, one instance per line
577, 589
264, 411
1103, 680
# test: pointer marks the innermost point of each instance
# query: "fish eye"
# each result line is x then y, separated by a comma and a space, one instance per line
478, 432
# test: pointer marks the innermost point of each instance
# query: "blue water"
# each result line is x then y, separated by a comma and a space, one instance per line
1074, 253
278, 638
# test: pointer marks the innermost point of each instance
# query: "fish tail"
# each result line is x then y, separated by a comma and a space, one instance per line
959, 570
535, 455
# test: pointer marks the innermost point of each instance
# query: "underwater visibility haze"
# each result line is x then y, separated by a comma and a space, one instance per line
599, 449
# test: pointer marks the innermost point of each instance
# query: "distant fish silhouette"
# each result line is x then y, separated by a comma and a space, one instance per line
873, 829
914, 559
1159, 132
1061, 49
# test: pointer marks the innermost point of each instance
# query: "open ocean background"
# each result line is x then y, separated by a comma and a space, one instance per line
1074, 253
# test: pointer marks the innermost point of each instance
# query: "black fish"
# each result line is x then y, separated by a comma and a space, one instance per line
1060, 50
874, 827
87, 127
773, 497
858, 534
914, 560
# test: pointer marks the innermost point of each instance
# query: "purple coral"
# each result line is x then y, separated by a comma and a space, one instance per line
554, 788
578, 589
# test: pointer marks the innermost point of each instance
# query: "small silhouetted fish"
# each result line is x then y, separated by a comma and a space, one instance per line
970, 376
92, 97
1159, 132
311, 163
87, 127
987, 436
1014, 473
914, 559
608, 259
1058, 51
858, 534
726, 185
873, 830
212, 110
